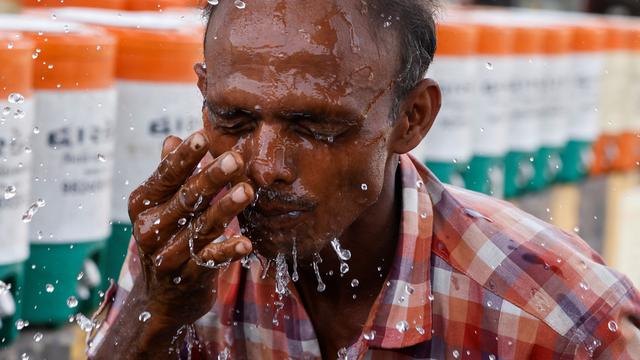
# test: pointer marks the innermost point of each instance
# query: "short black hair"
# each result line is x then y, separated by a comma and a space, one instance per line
414, 23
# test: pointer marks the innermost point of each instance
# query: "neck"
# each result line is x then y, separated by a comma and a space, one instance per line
372, 241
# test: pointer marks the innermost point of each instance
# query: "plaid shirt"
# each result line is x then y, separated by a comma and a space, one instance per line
473, 278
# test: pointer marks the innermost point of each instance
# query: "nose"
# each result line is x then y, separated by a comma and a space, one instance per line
269, 164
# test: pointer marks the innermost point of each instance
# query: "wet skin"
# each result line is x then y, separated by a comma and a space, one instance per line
297, 110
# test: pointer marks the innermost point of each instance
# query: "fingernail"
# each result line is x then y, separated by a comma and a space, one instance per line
197, 141
239, 196
228, 164
241, 248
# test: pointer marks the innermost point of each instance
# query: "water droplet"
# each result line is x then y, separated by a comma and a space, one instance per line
344, 268
239, 4
177, 280
9, 192
613, 326
21, 324
101, 158
386, 24
36, 130
146, 202
15, 98
419, 184
456, 354
6, 111
355, 283
431, 297
80, 276
72, 302
364, 187
489, 303
489, 66
84, 322
370, 335
423, 215
37, 337
584, 286
27, 150
317, 260
492, 357
19, 114
24, 356
182, 221
32, 210
402, 326
576, 229
156, 221
144, 316
409, 289
158, 260
41, 203
50, 288
10, 45
294, 258
213, 2
282, 276
342, 354
34, 55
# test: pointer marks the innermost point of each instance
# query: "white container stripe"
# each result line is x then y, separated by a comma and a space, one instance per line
585, 96
147, 113
615, 89
15, 170
493, 107
450, 136
524, 122
555, 100
73, 165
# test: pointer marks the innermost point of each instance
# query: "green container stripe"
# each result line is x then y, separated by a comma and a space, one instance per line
58, 265
481, 174
519, 173
548, 164
449, 173
114, 252
12, 274
575, 157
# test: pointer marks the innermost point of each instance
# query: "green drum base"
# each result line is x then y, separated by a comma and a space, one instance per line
577, 157
12, 274
58, 265
114, 252
518, 173
548, 165
485, 175
448, 173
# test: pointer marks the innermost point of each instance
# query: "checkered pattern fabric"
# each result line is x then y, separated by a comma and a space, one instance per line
473, 278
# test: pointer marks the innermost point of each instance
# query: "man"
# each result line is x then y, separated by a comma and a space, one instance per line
310, 108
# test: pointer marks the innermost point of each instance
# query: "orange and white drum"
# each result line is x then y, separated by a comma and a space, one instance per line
104, 4
16, 126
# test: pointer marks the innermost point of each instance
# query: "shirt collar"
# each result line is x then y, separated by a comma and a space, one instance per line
405, 300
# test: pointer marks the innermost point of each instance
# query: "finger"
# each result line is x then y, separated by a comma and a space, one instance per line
172, 172
216, 254
169, 144
205, 228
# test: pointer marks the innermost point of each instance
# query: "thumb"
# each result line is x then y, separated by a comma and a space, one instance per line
169, 144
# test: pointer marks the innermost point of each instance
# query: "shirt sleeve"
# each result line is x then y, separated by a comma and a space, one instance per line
618, 334
114, 299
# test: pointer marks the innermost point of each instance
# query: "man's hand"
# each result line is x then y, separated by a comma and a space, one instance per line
175, 225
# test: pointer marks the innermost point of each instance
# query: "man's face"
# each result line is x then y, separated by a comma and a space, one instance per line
303, 92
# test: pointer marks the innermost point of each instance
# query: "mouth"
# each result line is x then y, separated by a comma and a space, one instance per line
278, 212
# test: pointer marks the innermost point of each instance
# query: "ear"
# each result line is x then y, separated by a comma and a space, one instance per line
417, 113
201, 71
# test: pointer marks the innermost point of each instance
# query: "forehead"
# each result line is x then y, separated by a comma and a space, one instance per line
310, 48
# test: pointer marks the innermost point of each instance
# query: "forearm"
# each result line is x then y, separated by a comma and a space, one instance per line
130, 337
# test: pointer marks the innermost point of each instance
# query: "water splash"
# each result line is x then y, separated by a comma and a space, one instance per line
318, 260
9, 192
32, 210
343, 255
294, 259
282, 276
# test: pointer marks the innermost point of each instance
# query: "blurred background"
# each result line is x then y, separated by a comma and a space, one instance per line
541, 107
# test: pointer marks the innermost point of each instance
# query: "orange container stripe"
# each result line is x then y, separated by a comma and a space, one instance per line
456, 39
141, 5
588, 38
528, 40
104, 4
82, 60
494, 40
157, 55
557, 40
16, 65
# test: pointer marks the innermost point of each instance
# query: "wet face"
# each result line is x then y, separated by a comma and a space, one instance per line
303, 92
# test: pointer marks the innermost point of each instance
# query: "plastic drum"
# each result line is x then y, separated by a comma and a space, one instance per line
16, 125
447, 147
72, 165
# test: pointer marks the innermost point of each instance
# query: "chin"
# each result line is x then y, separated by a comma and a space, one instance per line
269, 243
